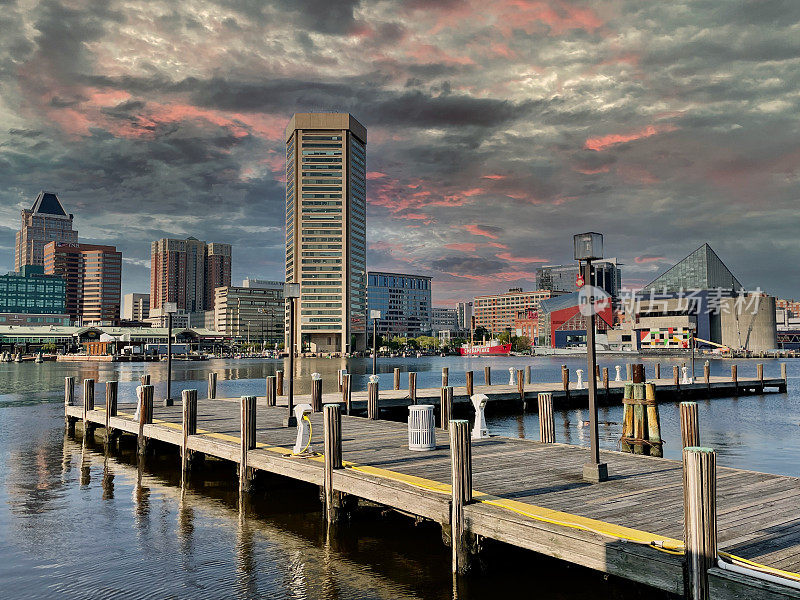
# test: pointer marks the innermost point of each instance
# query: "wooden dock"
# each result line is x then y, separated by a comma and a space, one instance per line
521, 492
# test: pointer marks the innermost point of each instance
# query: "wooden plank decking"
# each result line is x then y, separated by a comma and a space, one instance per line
758, 516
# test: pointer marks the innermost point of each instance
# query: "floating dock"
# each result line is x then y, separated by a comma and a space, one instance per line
524, 493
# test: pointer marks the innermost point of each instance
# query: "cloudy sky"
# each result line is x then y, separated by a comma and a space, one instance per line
496, 129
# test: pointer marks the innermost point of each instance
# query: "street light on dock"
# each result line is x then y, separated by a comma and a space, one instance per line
374, 315
291, 292
170, 308
589, 247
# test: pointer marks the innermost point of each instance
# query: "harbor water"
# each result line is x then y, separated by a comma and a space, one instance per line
78, 524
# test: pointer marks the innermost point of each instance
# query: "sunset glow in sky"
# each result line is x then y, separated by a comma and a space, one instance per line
497, 129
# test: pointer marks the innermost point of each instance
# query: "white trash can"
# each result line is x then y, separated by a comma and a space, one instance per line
421, 428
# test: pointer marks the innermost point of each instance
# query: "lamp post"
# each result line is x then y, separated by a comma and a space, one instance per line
374, 315
170, 308
291, 292
589, 247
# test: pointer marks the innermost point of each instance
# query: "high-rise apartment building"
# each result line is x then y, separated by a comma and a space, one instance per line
46, 221
136, 307
186, 272
464, 310
404, 302
326, 230
93, 276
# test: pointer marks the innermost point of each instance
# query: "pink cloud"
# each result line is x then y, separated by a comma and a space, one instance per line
493, 177
375, 175
601, 143
475, 229
605, 169
647, 259
462, 247
520, 259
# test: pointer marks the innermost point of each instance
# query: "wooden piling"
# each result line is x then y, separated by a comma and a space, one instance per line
627, 417
445, 376
547, 424
707, 375
658, 371
373, 405
279, 382
690, 430
332, 424
145, 417
272, 390
461, 485
783, 376
628, 371
470, 383
69, 400
605, 382
347, 393
397, 378
212, 386
111, 407
565, 379
88, 404
521, 387
316, 395
676, 376
487, 375
700, 518
145, 379
528, 374
445, 407
247, 439
639, 417
735, 380
760, 376
412, 387
189, 427
653, 421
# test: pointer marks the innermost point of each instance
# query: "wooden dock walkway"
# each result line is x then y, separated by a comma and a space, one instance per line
526, 493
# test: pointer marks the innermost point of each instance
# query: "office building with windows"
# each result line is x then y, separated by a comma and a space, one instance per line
136, 307
444, 319
464, 310
404, 302
254, 314
326, 230
93, 276
29, 291
46, 221
497, 312
187, 272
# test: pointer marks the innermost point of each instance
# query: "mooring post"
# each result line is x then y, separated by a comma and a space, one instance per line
69, 400
373, 407
397, 378
547, 424
639, 417
88, 404
700, 518
145, 379
628, 371
605, 382
145, 417
690, 431
279, 382
445, 376
316, 392
111, 406
676, 377
707, 374
653, 421
735, 380
332, 423
760, 375
565, 380
212, 386
658, 371
445, 406
521, 387
461, 484
272, 391
487, 375
783, 376
627, 417
470, 384
247, 439
347, 392
189, 426
528, 374
412, 387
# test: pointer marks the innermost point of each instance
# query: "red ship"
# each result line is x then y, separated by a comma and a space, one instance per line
493, 348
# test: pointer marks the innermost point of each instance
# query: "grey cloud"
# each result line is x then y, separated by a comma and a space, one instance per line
468, 265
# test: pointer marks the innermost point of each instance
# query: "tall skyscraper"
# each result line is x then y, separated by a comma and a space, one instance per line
46, 221
187, 272
326, 229
93, 277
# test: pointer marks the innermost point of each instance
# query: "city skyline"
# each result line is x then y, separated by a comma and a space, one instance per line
497, 132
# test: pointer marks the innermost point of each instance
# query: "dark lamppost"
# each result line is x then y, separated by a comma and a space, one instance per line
375, 315
291, 292
589, 247
170, 308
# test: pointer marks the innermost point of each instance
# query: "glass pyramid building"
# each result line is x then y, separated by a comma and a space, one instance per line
701, 270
